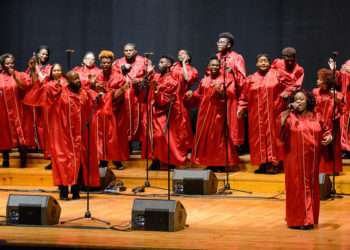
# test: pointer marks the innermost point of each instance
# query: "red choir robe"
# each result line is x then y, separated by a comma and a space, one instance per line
69, 115
237, 69
343, 79
84, 72
166, 107
302, 135
12, 132
209, 145
112, 129
135, 107
178, 72
261, 96
324, 107
297, 75
35, 119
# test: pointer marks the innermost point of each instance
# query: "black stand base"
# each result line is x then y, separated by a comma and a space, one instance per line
86, 216
227, 190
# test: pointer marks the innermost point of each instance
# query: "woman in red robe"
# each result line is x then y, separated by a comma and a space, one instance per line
87, 69
209, 146
70, 108
13, 85
263, 97
303, 134
324, 107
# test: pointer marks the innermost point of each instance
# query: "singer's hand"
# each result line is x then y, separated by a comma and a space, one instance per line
92, 78
284, 94
127, 66
189, 94
240, 113
332, 64
150, 69
292, 106
327, 140
31, 64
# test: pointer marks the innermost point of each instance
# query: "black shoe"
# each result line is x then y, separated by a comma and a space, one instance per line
75, 190
262, 169
171, 166
49, 167
155, 165
346, 154
5, 159
103, 164
63, 193
307, 227
118, 165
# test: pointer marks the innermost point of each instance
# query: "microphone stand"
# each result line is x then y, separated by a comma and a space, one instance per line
334, 194
227, 186
69, 53
88, 214
145, 84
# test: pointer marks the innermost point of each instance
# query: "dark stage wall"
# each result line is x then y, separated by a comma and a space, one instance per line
314, 28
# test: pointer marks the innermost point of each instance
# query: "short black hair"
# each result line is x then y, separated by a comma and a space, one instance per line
213, 57
229, 36
169, 58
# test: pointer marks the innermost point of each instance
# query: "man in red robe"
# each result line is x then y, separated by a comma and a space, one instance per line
168, 117
209, 146
87, 69
113, 142
234, 65
134, 68
72, 148
262, 97
324, 107
13, 85
289, 65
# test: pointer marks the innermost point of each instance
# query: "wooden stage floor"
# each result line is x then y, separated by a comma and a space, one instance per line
228, 222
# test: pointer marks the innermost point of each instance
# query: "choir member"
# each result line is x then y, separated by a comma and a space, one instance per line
330, 112
113, 142
262, 98
209, 146
134, 67
184, 71
70, 108
13, 85
303, 133
343, 80
167, 111
234, 64
87, 69
289, 65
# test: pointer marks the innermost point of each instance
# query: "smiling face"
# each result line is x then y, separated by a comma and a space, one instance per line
263, 64
223, 44
106, 64
9, 64
43, 56
56, 71
214, 67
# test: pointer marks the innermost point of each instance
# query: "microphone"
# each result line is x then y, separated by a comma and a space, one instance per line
70, 50
335, 54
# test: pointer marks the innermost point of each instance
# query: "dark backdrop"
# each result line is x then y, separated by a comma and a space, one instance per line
314, 28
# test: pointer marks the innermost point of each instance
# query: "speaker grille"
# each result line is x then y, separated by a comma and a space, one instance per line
193, 186
29, 215
156, 220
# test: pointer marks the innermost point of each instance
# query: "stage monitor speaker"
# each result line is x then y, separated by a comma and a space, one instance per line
32, 210
158, 215
194, 181
325, 186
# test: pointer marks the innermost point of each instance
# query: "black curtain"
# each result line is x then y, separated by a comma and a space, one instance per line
314, 28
